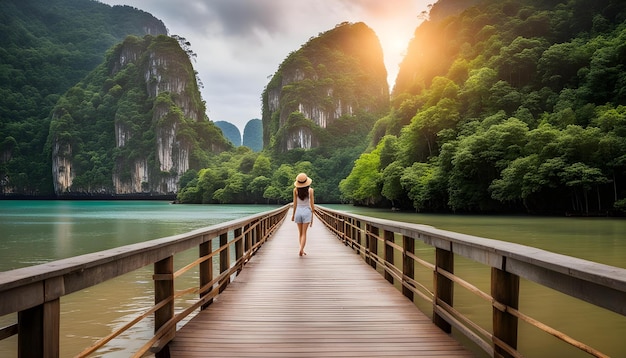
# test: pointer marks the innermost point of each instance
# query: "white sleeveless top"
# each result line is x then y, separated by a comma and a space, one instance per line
305, 202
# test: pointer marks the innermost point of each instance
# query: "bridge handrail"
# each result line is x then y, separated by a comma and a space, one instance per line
598, 284
34, 292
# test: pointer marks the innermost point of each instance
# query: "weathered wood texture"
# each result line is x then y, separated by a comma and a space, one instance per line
327, 303
34, 292
598, 284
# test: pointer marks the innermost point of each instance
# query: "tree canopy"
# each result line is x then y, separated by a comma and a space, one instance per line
518, 109
46, 47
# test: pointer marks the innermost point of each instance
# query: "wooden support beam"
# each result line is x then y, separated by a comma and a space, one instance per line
372, 244
359, 237
389, 237
238, 247
206, 270
505, 290
408, 265
38, 330
164, 290
444, 287
247, 242
224, 261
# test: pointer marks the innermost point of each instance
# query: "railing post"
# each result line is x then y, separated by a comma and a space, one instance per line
444, 288
38, 330
206, 271
347, 231
164, 290
247, 240
355, 233
371, 237
505, 290
359, 237
239, 248
224, 261
258, 232
389, 237
408, 265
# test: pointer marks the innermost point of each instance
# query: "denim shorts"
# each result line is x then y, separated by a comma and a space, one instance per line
303, 214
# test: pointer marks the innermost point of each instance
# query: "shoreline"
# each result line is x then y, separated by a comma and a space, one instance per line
160, 197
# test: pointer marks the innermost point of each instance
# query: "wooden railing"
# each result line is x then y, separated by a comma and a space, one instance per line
380, 241
34, 292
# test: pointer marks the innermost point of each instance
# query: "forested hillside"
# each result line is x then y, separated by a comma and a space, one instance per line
230, 131
327, 91
46, 47
506, 106
134, 125
499, 106
318, 108
253, 135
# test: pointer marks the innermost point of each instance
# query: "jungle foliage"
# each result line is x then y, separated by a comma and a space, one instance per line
339, 67
507, 106
337, 76
46, 47
114, 100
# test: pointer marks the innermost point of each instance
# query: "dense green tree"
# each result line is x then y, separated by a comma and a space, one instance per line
363, 183
257, 188
46, 47
391, 185
525, 113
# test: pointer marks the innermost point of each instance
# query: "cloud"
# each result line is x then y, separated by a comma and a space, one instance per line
240, 43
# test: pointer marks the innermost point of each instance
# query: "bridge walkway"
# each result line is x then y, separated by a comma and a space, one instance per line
329, 303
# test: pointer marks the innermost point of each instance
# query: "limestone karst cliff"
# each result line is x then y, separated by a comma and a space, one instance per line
338, 74
134, 125
46, 47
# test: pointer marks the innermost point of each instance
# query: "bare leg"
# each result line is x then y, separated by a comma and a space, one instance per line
300, 225
302, 228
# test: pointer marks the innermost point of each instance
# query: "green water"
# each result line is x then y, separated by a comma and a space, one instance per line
601, 240
33, 232
596, 239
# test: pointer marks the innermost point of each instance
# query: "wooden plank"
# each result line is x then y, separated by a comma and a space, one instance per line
327, 303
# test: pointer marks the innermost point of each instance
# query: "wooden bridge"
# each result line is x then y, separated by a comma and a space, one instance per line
352, 295
329, 303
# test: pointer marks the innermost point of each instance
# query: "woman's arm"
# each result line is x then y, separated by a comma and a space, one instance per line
295, 203
312, 203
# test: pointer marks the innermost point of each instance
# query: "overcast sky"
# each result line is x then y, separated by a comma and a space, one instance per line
240, 43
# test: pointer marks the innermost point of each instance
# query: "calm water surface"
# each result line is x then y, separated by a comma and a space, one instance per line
600, 240
34, 232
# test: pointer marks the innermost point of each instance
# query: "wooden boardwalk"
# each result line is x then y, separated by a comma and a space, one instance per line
329, 303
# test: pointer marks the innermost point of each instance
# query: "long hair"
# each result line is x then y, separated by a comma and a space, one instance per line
303, 192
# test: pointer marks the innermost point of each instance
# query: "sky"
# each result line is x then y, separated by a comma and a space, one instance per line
240, 43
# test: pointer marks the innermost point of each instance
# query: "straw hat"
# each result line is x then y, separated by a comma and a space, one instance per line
302, 180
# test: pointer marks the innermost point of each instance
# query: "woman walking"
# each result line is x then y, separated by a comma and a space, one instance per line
303, 207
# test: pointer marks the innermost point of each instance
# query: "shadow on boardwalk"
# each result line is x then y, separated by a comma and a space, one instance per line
328, 303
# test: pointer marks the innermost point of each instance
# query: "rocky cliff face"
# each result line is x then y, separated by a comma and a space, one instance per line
148, 90
47, 47
338, 74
